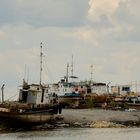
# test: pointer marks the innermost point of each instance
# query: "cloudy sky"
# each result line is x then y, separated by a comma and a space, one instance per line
102, 33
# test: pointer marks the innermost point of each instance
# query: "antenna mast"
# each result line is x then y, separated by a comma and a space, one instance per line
91, 73
67, 74
72, 68
41, 55
25, 73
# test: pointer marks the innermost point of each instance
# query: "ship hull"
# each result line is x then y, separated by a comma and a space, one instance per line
9, 119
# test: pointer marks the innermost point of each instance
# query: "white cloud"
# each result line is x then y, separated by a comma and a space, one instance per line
82, 35
102, 7
104, 33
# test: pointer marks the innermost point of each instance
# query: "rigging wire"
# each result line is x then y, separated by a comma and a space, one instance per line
12, 96
47, 70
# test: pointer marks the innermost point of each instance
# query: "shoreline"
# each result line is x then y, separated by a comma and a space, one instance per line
72, 115
88, 118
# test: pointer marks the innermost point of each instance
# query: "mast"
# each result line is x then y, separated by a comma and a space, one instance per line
67, 74
136, 86
72, 69
41, 55
91, 73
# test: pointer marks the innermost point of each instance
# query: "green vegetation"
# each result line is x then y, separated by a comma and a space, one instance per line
89, 102
113, 104
125, 106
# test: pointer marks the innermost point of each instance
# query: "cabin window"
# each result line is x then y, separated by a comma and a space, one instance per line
42, 97
126, 89
24, 96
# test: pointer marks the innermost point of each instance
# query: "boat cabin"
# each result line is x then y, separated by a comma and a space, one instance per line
99, 88
35, 94
121, 90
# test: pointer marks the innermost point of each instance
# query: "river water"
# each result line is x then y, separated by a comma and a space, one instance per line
76, 134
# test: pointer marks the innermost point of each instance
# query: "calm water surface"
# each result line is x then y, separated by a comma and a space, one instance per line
76, 134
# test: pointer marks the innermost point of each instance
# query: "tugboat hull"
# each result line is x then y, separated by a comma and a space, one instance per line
25, 119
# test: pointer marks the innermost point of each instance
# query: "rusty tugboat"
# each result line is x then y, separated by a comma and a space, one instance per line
35, 106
